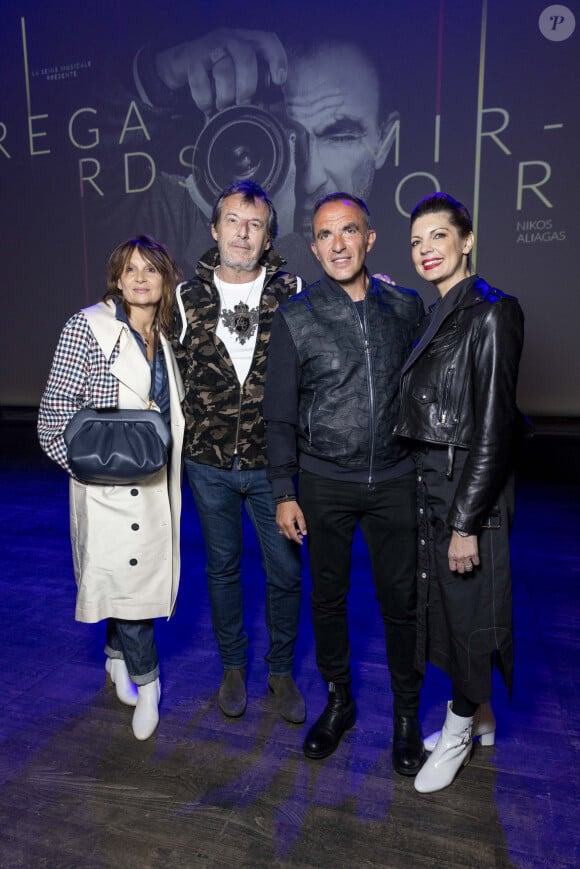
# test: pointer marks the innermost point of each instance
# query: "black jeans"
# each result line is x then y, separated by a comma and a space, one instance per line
386, 513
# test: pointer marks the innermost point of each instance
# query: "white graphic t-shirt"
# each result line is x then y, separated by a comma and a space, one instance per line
238, 320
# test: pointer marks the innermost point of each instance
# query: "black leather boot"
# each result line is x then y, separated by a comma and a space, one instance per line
339, 716
408, 751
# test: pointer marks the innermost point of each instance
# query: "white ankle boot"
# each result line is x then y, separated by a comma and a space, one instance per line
452, 751
146, 715
125, 688
483, 727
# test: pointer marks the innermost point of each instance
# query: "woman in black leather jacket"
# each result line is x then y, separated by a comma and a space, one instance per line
458, 404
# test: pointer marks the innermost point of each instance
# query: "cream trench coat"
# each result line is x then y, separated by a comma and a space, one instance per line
125, 539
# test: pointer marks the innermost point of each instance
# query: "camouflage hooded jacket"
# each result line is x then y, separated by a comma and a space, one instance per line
224, 418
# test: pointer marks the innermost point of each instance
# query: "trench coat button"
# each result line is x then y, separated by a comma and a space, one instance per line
420, 478
422, 542
134, 526
134, 492
423, 576
133, 562
421, 511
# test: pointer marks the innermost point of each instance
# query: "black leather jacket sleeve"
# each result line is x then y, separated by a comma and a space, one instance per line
495, 360
461, 392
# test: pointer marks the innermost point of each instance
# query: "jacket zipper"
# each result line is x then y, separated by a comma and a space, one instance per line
446, 389
240, 400
239, 421
364, 329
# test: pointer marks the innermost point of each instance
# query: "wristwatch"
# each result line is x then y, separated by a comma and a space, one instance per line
461, 533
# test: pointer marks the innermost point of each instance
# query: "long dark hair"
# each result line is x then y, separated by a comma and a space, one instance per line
156, 254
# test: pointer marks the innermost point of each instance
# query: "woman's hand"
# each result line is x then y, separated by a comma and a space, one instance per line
385, 279
463, 553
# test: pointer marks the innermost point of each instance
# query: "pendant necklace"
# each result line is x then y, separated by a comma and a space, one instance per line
147, 339
241, 321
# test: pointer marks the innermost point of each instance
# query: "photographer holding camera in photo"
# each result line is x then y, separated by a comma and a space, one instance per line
300, 121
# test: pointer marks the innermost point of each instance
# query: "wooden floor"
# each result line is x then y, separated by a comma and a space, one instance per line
77, 790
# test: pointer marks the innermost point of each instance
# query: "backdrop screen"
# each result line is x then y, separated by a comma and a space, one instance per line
124, 118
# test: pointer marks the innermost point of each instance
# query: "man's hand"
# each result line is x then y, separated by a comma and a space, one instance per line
222, 67
463, 553
290, 520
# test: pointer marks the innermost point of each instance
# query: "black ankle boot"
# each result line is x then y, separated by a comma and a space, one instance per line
339, 716
408, 750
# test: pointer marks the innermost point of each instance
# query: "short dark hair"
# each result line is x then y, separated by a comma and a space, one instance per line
156, 254
341, 196
250, 191
459, 216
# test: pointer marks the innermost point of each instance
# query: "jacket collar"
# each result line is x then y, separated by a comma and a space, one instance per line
335, 288
211, 260
105, 326
468, 292
130, 367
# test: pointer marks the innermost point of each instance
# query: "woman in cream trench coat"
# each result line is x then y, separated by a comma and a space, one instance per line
122, 571
125, 539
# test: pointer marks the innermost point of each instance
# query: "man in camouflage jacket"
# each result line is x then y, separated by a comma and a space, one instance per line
221, 335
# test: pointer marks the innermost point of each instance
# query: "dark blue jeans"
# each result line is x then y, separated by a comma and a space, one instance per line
219, 494
386, 513
135, 642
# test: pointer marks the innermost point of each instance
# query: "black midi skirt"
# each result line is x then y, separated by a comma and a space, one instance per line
464, 621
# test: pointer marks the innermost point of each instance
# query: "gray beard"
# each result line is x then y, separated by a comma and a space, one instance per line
248, 266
